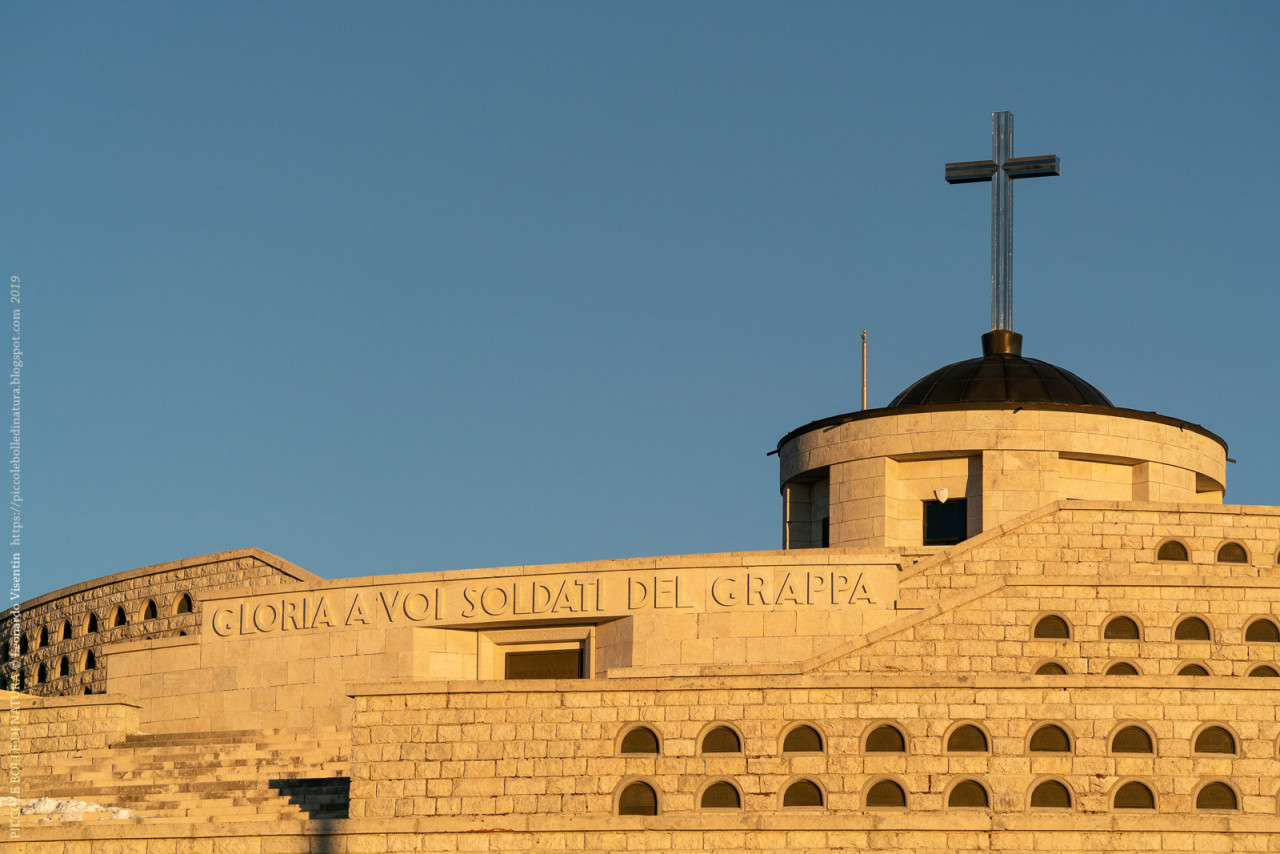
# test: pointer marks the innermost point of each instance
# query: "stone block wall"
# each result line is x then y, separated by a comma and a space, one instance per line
52, 636
894, 834
1107, 540
554, 748
994, 630
48, 728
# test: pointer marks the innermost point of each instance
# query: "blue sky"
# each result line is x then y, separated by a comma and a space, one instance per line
399, 287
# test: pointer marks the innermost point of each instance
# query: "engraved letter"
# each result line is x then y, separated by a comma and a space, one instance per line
563, 602
470, 610
418, 611
817, 584
358, 613
664, 592
541, 598
787, 592
839, 586
322, 614
494, 605
860, 592
289, 617
726, 594
222, 622
637, 593
265, 624
388, 606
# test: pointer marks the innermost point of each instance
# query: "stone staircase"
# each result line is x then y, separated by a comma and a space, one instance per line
231, 775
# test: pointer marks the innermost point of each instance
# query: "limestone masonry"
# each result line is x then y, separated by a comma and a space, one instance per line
1089, 663
1007, 616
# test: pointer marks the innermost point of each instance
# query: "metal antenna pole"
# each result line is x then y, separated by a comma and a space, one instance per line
864, 370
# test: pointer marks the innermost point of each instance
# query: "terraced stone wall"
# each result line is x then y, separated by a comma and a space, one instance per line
1110, 540
55, 645
555, 748
700, 835
53, 727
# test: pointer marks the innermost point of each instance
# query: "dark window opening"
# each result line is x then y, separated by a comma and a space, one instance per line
1262, 631
640, 740
721, 740
802, 793
1216, 796
1192, 628
1050, 739
66, 630
886, 739
1193, 670
945, 524
638, 799
1053, 628
1134, 796
1051, 668
184, 605
1121, 628
1215, 739
802, 739
1232, 553
1051, 795
150, 613
1172, 550
967, 739
886, 793
968, 793
1131, 739
544, 664
721, 795
826, 531
1122, 668
64, 667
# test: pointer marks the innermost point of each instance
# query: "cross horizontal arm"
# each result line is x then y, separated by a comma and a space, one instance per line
970, 172
1033, 167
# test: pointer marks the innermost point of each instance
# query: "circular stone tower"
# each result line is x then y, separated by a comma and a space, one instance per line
977, 443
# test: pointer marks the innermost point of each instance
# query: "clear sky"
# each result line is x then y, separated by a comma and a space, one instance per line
393, 287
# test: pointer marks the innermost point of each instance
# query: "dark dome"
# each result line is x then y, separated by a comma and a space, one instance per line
1001, 375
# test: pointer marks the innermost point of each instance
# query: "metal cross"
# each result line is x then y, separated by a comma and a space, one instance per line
1002, 168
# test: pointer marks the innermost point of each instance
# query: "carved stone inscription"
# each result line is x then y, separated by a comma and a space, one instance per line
558, 596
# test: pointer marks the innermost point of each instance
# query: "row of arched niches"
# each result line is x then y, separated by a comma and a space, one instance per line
60, 657
638, 794
1261, 630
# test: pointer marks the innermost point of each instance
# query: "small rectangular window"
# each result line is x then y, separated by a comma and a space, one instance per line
945, 524
544, 664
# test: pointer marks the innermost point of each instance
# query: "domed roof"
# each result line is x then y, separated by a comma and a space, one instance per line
1001, 375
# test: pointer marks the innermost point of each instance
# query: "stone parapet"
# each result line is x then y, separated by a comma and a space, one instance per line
900, 833
57, 646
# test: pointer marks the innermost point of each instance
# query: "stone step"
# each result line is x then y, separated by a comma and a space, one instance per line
227, 775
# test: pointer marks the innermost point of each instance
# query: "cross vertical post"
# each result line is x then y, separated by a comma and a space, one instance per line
1001, 170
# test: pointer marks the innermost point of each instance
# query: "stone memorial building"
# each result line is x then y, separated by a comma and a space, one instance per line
1008, 615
